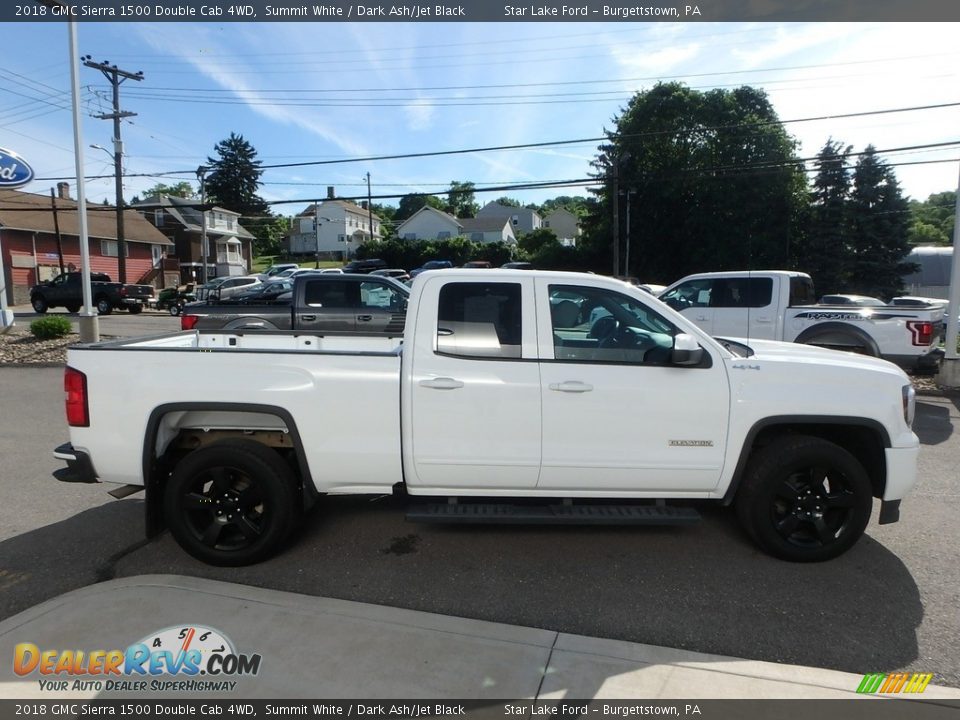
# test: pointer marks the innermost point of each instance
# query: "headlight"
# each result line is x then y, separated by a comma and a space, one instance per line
909, 403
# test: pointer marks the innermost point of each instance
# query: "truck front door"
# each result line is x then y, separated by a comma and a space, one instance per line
472, 409
618, 416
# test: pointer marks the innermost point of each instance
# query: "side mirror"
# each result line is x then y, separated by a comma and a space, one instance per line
686, 350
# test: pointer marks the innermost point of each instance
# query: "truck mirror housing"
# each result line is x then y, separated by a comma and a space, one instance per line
686, 350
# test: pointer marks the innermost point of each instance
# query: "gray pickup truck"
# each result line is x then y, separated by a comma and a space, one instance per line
345, 304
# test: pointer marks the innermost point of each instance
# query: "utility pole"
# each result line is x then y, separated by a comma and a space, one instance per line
369, 207
56, 229
202, 178
316, 230
116, 76
615, 199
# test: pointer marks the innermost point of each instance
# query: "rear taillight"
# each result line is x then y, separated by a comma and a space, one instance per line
75, 385
921, 331
188, 322
123, 291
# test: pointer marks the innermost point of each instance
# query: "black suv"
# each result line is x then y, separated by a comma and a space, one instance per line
364, 266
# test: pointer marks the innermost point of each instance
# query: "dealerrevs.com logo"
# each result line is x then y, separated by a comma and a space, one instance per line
181, 658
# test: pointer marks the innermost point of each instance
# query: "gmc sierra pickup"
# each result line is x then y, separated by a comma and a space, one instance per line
540, 397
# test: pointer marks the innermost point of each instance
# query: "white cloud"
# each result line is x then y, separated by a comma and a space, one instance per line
419, 114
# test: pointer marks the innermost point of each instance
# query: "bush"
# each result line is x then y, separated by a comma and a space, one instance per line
51, 327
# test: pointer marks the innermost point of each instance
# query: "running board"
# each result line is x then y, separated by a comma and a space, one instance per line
497, 513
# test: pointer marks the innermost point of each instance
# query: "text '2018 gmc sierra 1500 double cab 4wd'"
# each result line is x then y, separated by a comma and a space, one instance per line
506, 386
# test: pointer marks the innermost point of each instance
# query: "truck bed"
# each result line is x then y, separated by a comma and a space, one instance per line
344, 393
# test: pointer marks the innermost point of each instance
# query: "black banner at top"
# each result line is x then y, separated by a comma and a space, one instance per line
645, 11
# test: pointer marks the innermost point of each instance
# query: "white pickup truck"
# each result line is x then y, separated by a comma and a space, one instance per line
781, 305
503, 402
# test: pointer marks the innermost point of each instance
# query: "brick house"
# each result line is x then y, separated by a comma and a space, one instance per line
28, 240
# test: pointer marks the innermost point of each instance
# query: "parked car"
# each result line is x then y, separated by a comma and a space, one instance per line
66, 290
395, 273
431, 265
478, 264
364, 266
264, 292
518, 266
236, 284
274, 270
845, 299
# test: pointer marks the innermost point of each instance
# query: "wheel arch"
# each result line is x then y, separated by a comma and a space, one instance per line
864, 438
158, 436
838, 331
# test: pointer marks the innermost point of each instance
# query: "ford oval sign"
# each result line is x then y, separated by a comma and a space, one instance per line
14, 170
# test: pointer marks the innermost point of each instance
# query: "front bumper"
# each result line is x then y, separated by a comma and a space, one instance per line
79, 467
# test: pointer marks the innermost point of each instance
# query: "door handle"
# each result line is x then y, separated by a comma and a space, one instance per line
308, 318
701, 317
764, 320
571, 386
441, 383
364, 318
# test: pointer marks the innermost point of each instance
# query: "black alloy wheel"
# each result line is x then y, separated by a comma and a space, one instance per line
805, 499
231, 503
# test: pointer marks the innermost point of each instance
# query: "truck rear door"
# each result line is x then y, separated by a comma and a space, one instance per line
472, 405
745, 307
325, 305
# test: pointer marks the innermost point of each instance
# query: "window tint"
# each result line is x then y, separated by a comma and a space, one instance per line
600, 325
380, 295
693, 293
480, 320
329, 294
802, 291
741, 292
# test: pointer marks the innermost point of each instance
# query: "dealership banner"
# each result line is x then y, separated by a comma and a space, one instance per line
221, 11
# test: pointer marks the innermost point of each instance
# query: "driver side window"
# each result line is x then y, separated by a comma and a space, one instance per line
598, 325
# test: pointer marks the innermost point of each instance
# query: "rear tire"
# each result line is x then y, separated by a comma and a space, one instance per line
231, 503
104, 307
39, 304
135, 309
73, 308
805, 499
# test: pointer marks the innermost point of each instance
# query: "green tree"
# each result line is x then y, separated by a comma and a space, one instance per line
879, 230
461, 202
535, 241
714, 180
182, 189
234, 178
933, 219
508, 202
825, 252
233, 182
410, 204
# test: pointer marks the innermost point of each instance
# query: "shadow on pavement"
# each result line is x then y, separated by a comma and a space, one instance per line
702, 588
932, 422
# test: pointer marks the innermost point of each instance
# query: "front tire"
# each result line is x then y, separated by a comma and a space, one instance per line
174, 309
39, 304
104, 307
805, 499
232, 503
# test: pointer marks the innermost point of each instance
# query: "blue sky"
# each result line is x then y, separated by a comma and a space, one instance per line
322, 91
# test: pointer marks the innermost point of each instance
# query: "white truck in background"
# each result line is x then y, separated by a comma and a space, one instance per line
781, 305
534, 397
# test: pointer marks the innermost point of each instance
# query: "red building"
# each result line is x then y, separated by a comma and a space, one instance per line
29, 225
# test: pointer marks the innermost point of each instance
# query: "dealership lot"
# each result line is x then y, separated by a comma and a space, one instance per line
889, 604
